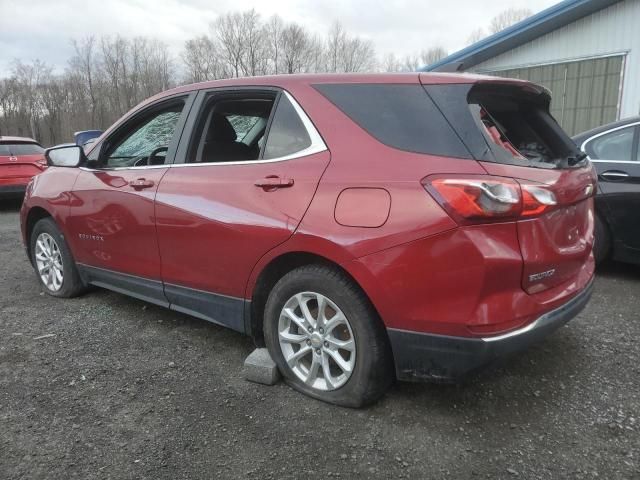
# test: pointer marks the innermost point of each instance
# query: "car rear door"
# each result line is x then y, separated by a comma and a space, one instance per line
111, 215
229, 204
616, 156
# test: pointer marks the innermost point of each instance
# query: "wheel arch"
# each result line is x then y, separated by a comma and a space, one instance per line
34, 215
265, 278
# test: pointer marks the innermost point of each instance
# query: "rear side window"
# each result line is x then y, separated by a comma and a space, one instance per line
398, 115
287, 134
20, 149
617, 145
231, 127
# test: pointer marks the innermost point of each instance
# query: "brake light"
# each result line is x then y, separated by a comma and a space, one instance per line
42, 162
483, 199
536, 199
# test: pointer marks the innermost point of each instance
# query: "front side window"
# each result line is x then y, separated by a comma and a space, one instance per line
148, 140
617, 145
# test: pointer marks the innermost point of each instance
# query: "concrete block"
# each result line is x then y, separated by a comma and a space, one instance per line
260, 368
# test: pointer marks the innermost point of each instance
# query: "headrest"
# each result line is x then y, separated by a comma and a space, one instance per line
221, 130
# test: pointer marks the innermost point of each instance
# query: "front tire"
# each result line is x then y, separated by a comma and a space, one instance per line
52, 261
326, 338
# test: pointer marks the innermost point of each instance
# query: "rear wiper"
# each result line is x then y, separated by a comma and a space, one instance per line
576, 159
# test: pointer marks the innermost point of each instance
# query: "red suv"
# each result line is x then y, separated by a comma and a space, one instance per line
20, 159
363, 227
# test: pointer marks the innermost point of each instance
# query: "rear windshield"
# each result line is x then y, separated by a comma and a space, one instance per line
401, 116
506, 123
518, 127
16, 149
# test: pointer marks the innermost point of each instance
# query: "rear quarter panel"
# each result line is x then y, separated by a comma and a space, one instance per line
360, 161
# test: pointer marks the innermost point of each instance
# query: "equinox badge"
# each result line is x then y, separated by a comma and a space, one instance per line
539, 276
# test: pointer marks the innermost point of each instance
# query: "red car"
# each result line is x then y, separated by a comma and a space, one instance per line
20, 159
364, 227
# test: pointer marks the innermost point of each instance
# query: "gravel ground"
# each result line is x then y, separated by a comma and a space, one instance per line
104, 386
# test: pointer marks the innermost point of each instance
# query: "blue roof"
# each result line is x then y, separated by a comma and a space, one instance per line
522, 32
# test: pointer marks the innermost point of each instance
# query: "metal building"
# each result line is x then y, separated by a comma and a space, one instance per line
587, 52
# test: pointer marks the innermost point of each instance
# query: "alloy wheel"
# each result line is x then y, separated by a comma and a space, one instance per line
49, 262
317, 341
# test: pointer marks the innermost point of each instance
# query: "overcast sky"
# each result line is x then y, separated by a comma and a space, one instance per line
42, 29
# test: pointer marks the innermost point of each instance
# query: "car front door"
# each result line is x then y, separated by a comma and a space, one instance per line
112, 211
617, 160
240, 193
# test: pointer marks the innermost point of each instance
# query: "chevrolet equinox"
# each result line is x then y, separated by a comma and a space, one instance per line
365, 228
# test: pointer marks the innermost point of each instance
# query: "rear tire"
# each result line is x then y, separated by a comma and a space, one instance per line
602, 241
53, 262
364, 370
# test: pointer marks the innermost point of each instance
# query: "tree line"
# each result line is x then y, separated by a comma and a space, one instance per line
107, 76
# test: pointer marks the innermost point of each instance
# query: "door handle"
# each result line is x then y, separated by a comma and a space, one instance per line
614, 175
140, 183
273, 181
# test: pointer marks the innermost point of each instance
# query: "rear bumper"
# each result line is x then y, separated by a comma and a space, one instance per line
431, 357
12, 191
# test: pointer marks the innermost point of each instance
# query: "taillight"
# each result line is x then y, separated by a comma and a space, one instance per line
42, 162
482, 199
536, 199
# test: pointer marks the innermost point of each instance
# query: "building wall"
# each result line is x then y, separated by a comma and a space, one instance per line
615, 29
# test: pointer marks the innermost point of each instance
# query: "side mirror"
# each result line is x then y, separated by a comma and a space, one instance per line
65, 156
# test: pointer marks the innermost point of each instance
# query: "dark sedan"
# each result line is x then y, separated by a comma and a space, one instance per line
613, 148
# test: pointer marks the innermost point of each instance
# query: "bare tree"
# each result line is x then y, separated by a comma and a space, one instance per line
411, 63
348, 54
228, 30
202, 60
254, 60
358, 55
316, 55
476, 35
508, 18
274, 35
107, 76
84, 64
242, 41
335, 46
114, 52
295, 45
432, 55
29, 78
53, 96
391, 63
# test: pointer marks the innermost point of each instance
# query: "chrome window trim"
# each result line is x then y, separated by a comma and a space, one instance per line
317, 146
616, 161
606, 132
115, 169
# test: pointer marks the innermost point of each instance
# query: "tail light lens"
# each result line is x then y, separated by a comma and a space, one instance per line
484, 199
42, 162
